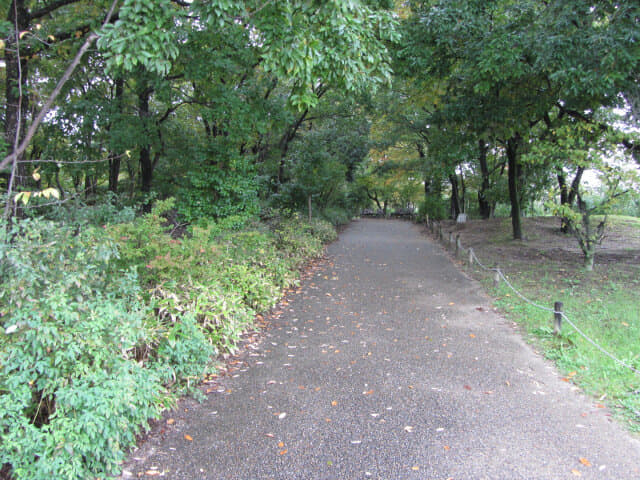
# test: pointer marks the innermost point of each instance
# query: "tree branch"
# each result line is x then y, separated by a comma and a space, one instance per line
47, 9
56, 91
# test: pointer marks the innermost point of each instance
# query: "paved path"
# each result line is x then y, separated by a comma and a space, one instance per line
389, 364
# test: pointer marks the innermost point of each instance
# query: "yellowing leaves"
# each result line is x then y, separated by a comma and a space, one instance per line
187, 437
585, 462
47, 193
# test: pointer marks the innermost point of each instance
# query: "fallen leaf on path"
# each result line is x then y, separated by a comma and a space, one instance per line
572, 374
599, 405
451, 303
472, 335
188, 437
281, 444
368, 392
576, 472
334, 403
447, 447
171, 421
282, 452
152, 473
415, 468
585, 462
408, 429
270, 435
467, 387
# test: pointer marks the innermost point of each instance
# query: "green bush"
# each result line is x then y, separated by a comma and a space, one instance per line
84, 361
434, 207
102, 326
336, 215
72, 395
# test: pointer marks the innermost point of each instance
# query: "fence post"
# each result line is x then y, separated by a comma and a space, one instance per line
557, 317
470, 256
450, 238
496, 278
440, 231
458, 245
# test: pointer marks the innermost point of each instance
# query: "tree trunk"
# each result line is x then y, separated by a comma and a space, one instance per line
17, 106
455, 196
146, 164
483, 204
90, 185
513, 166
114, 161
568, 195
285, 140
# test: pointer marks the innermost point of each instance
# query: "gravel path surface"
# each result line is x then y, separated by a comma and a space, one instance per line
388, 364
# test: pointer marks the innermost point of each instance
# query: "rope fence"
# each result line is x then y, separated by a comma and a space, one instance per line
558, 314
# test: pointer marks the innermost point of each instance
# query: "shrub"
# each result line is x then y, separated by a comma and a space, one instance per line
434, 207
72, 395
84, 361
102, 326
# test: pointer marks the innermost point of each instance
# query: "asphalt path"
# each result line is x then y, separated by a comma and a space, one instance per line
388, 363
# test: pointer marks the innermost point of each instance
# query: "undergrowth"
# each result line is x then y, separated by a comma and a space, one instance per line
105, 322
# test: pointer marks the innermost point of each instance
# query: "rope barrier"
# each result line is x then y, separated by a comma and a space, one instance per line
552, 310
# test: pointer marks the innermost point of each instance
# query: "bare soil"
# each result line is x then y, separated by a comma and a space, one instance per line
545, 245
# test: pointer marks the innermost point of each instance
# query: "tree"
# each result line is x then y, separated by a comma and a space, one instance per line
149, 48
507, 65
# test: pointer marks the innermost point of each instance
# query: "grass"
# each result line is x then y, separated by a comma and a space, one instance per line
604, 304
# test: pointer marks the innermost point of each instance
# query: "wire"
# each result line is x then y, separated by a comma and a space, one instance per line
552, 310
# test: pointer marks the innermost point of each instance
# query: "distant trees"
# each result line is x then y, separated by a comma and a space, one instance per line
509, 72
204, 94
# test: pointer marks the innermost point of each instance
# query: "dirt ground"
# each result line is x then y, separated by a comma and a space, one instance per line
492, 242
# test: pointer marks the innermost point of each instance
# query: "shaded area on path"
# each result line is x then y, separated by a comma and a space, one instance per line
389, 364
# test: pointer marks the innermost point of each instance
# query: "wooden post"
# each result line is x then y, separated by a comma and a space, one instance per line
450, 237
440, 232
458, 245
557, 317
470, 256
309, 203
496, 279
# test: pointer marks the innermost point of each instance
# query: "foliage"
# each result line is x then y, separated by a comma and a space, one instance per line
90, 349
581, 217
73, 394
436, 208
218, 192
